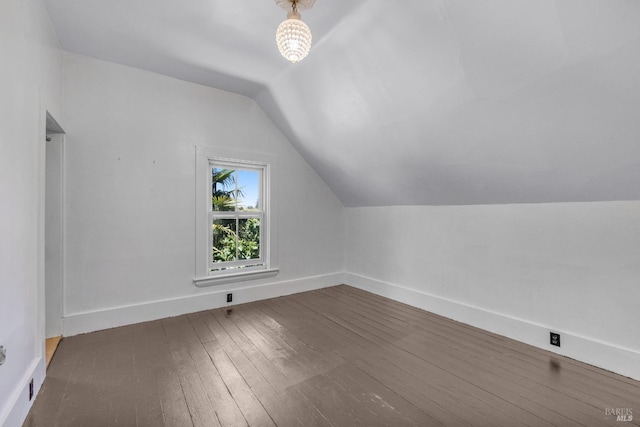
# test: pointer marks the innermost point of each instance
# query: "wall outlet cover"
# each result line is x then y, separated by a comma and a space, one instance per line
554, 339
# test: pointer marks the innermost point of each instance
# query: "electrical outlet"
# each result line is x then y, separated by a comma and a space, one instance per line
30, 389
3, 354
229, 297
554, 339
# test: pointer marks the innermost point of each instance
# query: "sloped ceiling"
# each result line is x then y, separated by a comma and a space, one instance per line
416, 101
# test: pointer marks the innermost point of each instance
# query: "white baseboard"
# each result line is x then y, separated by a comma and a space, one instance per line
80, 323
18, 403
605, 355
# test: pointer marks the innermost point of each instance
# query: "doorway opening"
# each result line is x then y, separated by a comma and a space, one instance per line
53, 235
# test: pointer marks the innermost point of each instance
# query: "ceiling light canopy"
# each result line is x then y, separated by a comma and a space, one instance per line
294, 36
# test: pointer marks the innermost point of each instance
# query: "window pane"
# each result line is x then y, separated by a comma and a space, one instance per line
249, 190
249, 238
223, 189
224, 240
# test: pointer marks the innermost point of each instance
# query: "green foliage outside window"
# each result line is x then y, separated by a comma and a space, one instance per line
226, 240
233, 238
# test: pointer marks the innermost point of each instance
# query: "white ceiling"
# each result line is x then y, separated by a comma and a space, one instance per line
414, 101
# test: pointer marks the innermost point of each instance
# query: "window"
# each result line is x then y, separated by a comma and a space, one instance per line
235, 220
234, 217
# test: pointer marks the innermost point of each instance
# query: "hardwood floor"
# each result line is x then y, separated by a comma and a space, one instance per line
333, 357
51, 346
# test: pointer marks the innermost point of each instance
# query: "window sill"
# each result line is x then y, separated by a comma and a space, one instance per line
202, 282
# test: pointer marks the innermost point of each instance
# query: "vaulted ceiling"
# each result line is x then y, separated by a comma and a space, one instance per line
416, 101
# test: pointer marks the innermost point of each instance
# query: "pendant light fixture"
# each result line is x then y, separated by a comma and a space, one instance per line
294, 36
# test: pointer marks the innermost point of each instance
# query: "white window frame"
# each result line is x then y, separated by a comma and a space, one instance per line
217, 268
207, 272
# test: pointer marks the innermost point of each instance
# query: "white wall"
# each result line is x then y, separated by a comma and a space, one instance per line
30, 84
518, 270
130, 182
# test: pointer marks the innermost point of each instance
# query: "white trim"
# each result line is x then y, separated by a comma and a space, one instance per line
226, 268
79, 323
234, 277
40, 346
269, 222
18, 403
623, 361
263, 169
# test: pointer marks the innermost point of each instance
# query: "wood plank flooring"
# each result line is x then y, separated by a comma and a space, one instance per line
332, 357
51, 344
